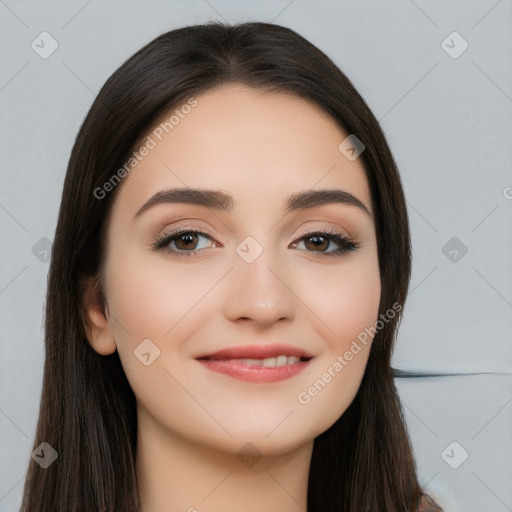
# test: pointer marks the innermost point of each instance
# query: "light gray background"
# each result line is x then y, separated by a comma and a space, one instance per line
449, 124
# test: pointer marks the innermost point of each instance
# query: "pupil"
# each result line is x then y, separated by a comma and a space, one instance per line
317, 241
189, 238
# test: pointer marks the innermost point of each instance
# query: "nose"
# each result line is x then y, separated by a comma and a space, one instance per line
259, 291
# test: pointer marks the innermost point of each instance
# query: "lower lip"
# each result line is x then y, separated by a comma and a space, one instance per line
253, 373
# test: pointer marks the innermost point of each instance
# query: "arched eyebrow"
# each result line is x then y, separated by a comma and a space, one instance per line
219, 200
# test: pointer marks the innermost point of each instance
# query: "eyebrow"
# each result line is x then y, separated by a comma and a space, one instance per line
221, 201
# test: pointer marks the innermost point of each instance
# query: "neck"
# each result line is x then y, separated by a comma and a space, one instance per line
178, 475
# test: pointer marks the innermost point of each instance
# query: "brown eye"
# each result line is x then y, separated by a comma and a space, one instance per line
317, 242
186, 241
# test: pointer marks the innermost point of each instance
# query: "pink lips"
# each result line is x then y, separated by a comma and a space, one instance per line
228, 361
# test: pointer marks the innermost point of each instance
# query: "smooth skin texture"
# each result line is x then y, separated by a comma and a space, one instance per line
260, 147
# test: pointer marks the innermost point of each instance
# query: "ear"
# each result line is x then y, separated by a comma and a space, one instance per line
94, 313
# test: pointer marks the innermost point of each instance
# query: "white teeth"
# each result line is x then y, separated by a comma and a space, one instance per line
271, 362
281, 360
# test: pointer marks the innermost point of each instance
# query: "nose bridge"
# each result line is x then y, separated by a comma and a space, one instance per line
259, 289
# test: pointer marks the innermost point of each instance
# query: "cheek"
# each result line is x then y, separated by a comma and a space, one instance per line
156, 299
150, 295
347, 306
153, 299
346, 301
356, 309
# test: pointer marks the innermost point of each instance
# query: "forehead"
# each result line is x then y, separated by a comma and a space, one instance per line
259, 146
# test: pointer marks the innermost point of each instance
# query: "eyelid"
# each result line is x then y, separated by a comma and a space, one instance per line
176, 226
333, 230
327, 227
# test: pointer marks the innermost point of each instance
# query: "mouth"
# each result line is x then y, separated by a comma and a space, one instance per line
258, 363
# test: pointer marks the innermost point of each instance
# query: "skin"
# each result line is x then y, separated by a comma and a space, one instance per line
260, 147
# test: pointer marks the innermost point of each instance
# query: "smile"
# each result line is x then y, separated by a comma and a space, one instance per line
258, 363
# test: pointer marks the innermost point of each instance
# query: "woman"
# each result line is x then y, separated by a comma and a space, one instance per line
230, 265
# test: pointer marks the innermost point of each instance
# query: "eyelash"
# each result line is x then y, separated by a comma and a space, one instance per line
346, 244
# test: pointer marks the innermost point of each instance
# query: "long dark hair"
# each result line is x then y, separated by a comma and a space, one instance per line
364, 461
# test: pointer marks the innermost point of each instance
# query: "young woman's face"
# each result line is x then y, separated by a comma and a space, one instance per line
251, 276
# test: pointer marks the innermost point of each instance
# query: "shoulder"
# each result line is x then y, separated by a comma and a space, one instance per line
427, 504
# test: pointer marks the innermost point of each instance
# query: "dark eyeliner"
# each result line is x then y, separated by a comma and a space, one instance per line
345, 244
162, 241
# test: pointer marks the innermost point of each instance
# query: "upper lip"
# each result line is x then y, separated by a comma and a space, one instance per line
257, 352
